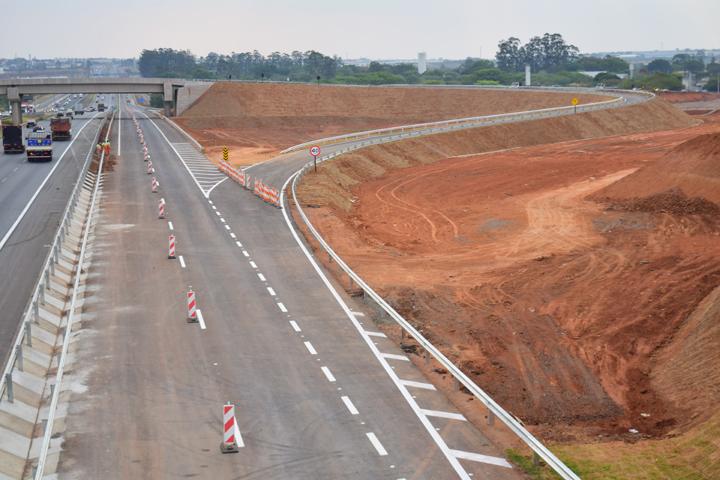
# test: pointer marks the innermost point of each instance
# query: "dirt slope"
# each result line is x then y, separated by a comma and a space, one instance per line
258, 120
559, 306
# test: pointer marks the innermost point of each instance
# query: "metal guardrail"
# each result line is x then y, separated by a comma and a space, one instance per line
32, 307
430, 128
71, 316
472, 122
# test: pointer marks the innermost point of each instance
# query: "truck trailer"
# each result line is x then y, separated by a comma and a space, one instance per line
39, 146
60, 128
12, 139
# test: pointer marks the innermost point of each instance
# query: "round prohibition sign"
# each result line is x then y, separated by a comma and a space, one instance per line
314, 150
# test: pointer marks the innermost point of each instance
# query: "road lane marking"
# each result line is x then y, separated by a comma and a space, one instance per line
222, 220
271, 291
238, 244
170, 226
295, 326
261, 277
12, 228
376, 443
227, 227
201, 320
213, 206
232, 235
282, 307
252, 264
348, 403
477, 457
210, 201
358, 314
392, 356
440, 414
423, 385
310, 348
328, 374
182, 261
218, 213
376, 334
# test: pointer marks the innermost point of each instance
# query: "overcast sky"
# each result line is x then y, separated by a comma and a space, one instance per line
358, 28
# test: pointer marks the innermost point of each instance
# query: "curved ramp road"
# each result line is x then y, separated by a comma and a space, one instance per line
33, 196
319, 392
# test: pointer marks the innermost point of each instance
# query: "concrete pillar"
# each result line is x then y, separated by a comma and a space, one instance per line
168, 108
13, 95
528, 76
168, 98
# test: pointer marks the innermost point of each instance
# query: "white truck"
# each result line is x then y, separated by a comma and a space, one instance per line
39, 146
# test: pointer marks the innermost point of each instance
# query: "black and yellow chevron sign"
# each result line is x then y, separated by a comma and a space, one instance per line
225, 154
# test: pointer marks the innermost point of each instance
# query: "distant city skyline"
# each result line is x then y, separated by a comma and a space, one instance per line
369, 29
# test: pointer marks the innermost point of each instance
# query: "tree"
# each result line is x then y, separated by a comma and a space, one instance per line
510, 57
549, 52
688, 63
659, 65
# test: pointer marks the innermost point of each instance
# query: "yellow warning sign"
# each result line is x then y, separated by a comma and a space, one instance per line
225, 154
574, 101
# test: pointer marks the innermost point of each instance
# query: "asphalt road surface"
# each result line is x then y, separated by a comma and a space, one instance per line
319, 393
33, 197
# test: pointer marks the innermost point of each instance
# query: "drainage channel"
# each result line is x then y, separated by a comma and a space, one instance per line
32, 399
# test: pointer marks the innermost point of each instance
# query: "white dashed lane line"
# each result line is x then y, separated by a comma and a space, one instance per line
252, 264
222, 220
295, 326
348, 403
232, 235
182, 261
376, 443
239, 245
282, 307
201, 320
328, 374
170, 226
245, 253
271, 292
310, 348
261, 277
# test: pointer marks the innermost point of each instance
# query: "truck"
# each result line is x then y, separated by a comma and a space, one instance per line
12, 139
39, 146
101, 107
60, 128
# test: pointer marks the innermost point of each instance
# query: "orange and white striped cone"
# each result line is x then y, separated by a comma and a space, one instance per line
229, 443
155, 185
161, 209
150, 168
191, 306
171, 246
146, 157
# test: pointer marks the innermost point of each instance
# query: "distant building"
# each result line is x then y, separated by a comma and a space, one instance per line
422, 63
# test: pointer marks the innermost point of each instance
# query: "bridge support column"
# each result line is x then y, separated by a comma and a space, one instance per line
168, 108
13, 95
168, 98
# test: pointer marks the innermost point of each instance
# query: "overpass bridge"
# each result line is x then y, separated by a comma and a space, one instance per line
16, 88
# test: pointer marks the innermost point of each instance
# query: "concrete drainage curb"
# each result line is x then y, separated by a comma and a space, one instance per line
29, 402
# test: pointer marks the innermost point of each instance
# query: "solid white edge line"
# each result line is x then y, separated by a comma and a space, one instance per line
24, 211
454, 463
310, 348
295, 326
478, 457
348, 403
328, 374
281, 306
376, 443
170, 226
182, 261
201, 320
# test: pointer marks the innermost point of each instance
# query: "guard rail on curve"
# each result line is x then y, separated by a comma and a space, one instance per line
620, 99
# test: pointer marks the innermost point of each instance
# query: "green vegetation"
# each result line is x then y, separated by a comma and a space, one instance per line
553, 61
156, 100
4, 105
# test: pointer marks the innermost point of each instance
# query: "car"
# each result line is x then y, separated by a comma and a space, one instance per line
38, 128
31, 124
90, 109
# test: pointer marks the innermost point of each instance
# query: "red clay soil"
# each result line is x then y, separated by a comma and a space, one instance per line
686, 97
256, 121
580, 317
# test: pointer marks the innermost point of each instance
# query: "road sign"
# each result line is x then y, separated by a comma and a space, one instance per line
314, 150
225, 154
574, 101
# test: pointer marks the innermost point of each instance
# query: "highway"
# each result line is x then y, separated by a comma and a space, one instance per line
320, 393
33, 196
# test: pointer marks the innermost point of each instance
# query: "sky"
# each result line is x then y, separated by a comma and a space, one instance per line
381, 29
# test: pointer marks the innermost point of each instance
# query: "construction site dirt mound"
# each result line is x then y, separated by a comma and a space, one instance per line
685, 97
257, 120
559, 307
692, 168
